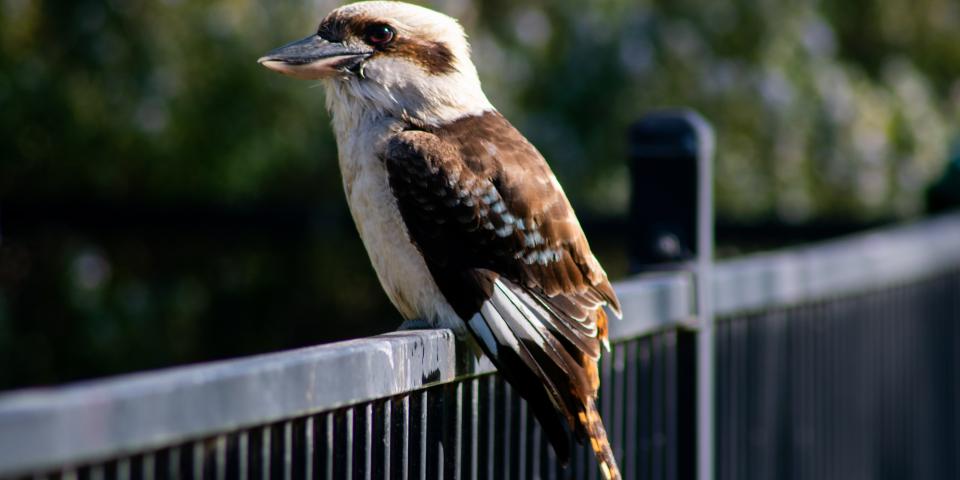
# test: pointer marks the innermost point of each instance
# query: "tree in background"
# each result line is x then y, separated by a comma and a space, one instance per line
822, 108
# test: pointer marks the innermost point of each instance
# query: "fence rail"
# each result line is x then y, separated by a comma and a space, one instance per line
419, 404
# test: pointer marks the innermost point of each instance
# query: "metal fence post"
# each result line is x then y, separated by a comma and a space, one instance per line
671, 222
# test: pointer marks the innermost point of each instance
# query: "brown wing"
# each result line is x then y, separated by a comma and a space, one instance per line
506, 250
483, 197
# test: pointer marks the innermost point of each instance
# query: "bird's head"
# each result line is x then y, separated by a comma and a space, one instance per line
391, 58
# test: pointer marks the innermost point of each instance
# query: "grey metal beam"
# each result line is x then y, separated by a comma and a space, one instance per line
836, 268
102, 418
653, 302
86, 421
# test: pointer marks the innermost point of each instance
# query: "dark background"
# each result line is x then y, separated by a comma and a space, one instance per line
165, 200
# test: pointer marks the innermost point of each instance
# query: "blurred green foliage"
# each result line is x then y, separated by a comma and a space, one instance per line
833, 109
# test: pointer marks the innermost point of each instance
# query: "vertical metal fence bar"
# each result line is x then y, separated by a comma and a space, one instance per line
955, 337
706, 351
270, 463
220, 457
523, 435
365, 428
470, 470
553, 467
886, 463
420, 438
829, 362
647, 412
243, 456
871, 321
605, 399
807, 433
616, 423
148, 467
848, 359
743, 402
889, 462
739, 332
287, 450
382, 439
123, 469
434, 450
725, 372
632, 433
402, 429
328, 451
349, 435
539, 456
337, 453
309, 448
488, 400
672, 405
456, 430
658, 409
96, 472
173, 464
503, 433
517, 431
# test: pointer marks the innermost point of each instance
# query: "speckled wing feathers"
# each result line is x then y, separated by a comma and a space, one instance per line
479, 195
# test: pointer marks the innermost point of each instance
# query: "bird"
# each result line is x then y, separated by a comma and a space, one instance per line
462, 218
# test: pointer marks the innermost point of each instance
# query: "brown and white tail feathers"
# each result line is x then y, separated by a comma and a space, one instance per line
520, 334
597, 435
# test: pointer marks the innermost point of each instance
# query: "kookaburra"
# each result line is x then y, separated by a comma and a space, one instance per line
463, 220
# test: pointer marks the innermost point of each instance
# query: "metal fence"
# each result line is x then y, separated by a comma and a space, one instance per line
863, 386
838, 360
403, 405
855, 373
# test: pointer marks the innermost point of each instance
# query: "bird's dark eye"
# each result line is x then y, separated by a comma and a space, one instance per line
379, 35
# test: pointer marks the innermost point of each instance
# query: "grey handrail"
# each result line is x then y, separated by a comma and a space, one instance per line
101, 418
839, 267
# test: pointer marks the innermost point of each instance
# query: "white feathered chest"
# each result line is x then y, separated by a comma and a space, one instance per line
399, 265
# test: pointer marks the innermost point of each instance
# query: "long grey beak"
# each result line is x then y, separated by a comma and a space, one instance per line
313, 58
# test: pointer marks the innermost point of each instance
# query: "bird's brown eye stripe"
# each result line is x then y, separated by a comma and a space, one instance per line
435, 57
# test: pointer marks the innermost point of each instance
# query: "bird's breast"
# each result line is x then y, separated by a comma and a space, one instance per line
399, 265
